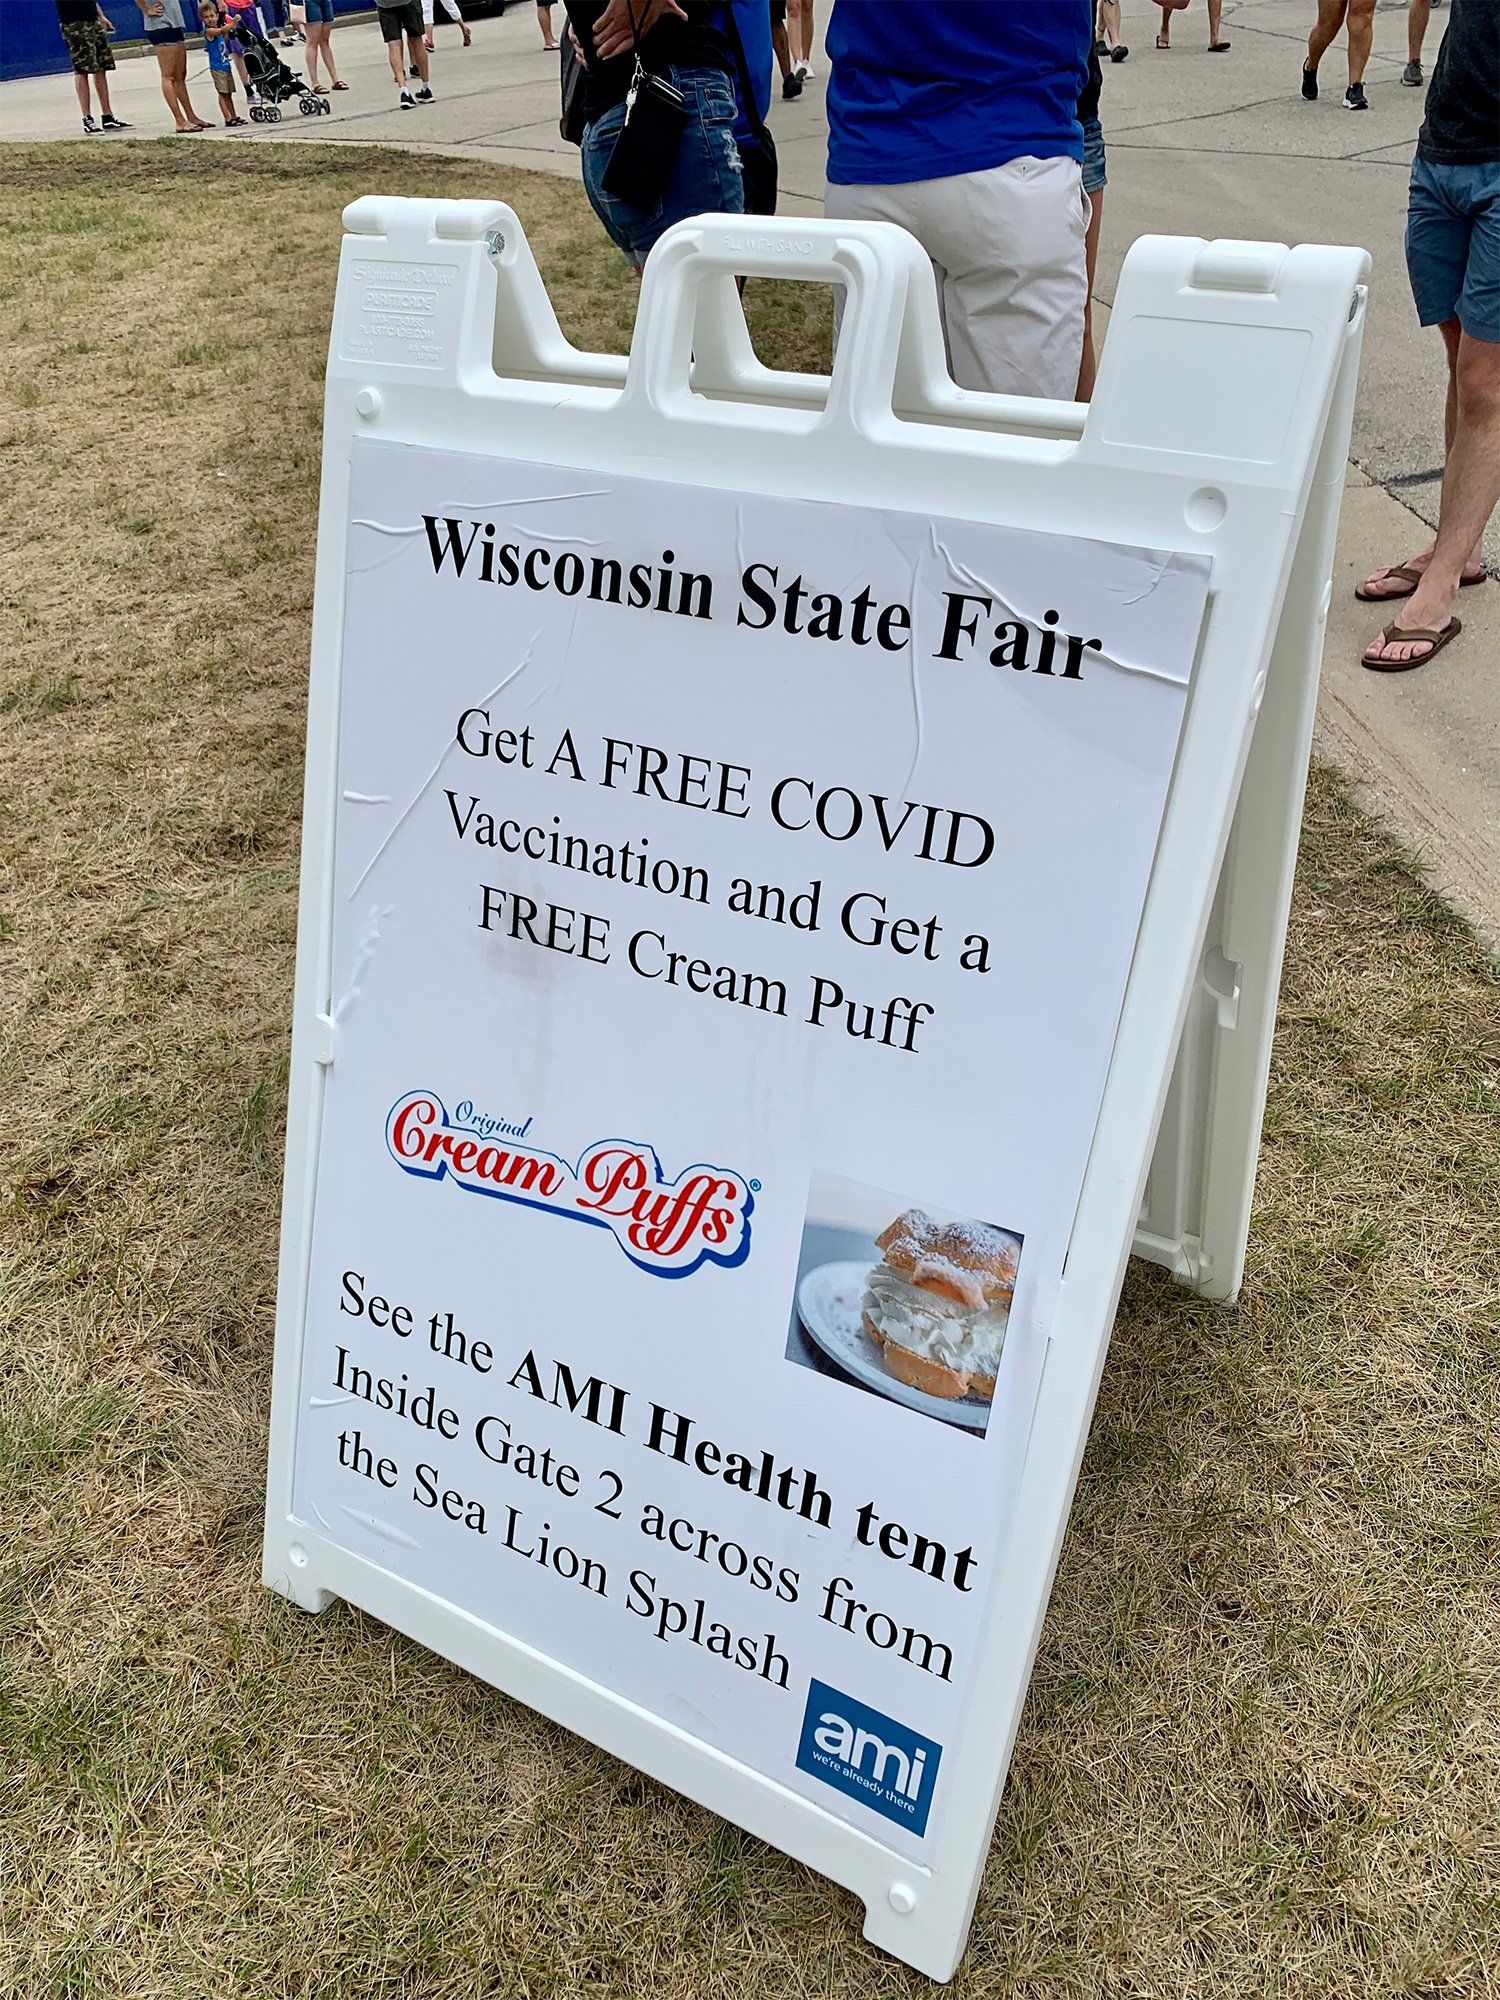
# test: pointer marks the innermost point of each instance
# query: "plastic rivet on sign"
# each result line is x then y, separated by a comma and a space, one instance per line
367, 402
297, 1556
903, 1898
1205, 509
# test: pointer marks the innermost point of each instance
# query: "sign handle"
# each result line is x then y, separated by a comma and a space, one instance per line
877, 265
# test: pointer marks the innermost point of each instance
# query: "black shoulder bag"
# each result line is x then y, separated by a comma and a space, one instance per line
758, 159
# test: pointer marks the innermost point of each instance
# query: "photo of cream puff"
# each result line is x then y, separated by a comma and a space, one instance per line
938, 1305
915, 1310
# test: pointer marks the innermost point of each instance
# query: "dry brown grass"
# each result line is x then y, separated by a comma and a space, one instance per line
1260, 1755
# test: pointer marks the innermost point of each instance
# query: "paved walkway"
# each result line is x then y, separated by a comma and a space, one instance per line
1199, 144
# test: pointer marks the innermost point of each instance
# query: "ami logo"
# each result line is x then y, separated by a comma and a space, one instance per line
872, 1757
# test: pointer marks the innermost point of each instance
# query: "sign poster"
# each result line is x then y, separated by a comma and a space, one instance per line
733, 901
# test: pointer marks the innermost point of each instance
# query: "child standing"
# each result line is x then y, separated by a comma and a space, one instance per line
216, 42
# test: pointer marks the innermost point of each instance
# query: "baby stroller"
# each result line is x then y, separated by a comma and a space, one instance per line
273, 82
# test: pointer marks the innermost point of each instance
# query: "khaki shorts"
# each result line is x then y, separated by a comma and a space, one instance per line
87, 45
1007, 250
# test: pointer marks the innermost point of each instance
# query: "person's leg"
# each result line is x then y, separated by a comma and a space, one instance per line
799, 25
544, 20
314, 50
1330, 20
101, 84
81, 91
325, 49
396, 60
168, 95
427, 11
1418, 14
180, 73
1107, 22
1361, 35
1215, 14
1088, 367
417, 53
1471, 489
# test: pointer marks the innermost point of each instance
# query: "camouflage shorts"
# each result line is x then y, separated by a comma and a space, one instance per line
87, 45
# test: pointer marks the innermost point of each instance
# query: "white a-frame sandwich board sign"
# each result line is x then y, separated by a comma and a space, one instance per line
765, 839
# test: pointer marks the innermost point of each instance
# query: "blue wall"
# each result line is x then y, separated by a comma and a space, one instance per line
30, 44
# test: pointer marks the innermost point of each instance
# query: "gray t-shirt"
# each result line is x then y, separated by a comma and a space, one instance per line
169, 17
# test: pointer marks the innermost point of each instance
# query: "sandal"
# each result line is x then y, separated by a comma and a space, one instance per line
1395, 634
1410, 578
1218, 48
340, 86
1162, 42
320, 89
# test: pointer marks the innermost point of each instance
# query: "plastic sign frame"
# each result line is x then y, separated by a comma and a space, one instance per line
1249, 476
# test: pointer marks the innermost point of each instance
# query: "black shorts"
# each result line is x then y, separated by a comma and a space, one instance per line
404, 19
778, 11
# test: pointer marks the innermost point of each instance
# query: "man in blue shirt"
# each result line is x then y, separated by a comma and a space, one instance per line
960, 123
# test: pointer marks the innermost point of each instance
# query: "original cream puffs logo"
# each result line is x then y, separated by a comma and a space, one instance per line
666, 1227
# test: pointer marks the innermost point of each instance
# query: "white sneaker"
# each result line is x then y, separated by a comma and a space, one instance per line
804, 69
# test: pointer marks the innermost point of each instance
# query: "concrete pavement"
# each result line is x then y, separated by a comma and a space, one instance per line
1199, 144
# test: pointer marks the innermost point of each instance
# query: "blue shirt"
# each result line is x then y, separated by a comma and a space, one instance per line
919, 89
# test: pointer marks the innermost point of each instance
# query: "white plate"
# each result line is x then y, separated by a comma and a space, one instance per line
828, 1306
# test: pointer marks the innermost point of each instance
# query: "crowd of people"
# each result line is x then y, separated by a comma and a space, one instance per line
977, 128
229, 29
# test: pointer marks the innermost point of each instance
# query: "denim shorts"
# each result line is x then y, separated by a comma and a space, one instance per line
705, 176
1093, 156
320, 10
1453, 245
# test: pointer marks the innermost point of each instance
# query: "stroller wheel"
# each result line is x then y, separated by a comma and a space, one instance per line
274, 114
308, 106
323, 108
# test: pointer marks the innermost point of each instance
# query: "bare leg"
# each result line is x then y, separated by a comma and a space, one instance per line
1107, 22
81, 92
101, 84
418, 54
169, 95
1215, 11
1471, 486
1164, 39
179, 82
799, 25
1418, 14
393, 57
312, 52
780, 50
1330, 20
544, 17
1088, 366
325, 50
1361, 34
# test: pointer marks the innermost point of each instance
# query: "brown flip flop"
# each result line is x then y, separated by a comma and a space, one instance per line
1395, 634
1411, 577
